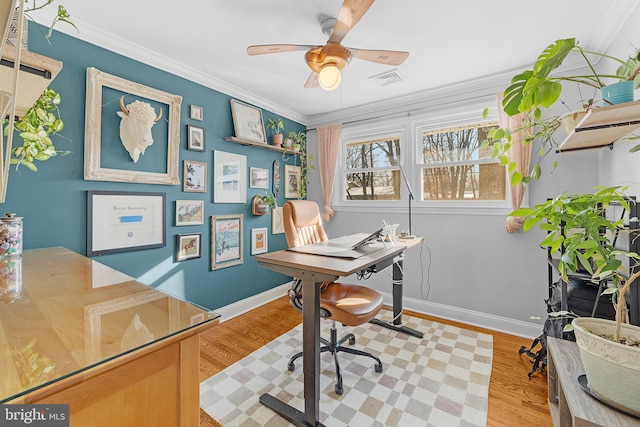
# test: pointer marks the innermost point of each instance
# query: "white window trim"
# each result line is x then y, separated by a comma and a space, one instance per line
410, 129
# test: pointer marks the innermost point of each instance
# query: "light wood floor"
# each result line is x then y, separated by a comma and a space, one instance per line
514, 400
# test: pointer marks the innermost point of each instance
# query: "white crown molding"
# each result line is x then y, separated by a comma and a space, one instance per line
468, 92
114, 43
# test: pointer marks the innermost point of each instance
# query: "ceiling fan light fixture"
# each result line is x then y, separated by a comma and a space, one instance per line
329, 77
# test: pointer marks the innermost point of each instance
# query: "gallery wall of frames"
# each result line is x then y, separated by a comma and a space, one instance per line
160, 178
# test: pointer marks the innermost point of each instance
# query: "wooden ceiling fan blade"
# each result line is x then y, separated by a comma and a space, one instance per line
312, 81
276, 48
350, 14
388, 57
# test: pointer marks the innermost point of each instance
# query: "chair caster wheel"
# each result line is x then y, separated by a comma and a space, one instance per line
338, 390
352, 340
291, 367
378, 368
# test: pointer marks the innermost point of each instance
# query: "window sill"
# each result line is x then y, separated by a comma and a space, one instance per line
436, 208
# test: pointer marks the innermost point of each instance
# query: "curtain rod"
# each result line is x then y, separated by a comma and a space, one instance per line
407, 113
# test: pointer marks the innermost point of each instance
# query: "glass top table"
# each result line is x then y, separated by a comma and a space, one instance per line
62, 313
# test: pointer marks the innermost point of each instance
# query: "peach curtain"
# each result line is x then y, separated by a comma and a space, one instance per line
328, 146
520, 153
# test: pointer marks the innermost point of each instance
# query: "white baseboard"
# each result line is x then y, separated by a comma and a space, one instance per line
456, 314
237, 308
475, 318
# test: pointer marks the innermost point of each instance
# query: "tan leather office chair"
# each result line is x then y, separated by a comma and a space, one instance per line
351, 305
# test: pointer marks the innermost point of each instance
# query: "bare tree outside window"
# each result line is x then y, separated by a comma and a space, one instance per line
455, 167
372, 168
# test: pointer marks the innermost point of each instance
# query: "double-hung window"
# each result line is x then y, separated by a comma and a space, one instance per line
371, 168
454, 166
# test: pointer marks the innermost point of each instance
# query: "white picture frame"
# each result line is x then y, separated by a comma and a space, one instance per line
259, 241
196, 113
195, 176
277, 220
230, 177
189, 212
258, 178
99, 82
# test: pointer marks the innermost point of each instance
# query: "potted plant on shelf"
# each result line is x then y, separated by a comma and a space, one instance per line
539, 87
578, 228
277, 126
264, 202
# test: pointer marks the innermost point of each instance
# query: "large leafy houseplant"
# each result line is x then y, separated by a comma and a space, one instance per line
579, 229
532, 90
539, 87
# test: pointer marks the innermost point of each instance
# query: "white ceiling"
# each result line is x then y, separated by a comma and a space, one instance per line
449, 42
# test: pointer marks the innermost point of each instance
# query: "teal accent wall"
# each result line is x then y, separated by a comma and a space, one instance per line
53, 201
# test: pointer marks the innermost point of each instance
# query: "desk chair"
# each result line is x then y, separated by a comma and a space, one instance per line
351, 305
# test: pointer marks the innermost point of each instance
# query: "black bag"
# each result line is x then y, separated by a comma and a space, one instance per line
553, 327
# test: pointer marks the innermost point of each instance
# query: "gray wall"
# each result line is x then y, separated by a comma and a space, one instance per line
469, 268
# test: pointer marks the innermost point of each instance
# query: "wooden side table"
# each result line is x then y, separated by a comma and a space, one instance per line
569, 404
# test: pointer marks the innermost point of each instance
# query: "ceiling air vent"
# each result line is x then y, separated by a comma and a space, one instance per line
387, 78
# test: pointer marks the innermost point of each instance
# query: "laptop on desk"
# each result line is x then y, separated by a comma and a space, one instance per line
353, 246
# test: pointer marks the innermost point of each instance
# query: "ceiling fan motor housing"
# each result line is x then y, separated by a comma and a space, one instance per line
332, 53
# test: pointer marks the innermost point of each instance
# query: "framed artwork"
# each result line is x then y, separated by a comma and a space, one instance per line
230, 176
258, 178
277, 221
153, 162
196, 113
258, 241
248, 122
189, 212
291, 181
276, 177
195, 176
121, 221
188, 246
226, 241
195, 138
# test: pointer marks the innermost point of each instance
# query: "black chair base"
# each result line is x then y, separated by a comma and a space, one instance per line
334, 347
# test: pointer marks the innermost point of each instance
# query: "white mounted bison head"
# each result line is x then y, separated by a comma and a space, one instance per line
135, 127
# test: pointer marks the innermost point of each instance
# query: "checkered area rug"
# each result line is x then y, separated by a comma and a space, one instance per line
439, 380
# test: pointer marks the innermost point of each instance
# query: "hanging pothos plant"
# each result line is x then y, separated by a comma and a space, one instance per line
43, 118
35, 127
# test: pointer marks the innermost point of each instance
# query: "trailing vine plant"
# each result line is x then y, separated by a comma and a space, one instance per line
35, 127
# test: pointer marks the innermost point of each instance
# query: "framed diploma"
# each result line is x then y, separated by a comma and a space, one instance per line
120, 221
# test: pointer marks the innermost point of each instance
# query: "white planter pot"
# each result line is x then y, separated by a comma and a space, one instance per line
612, 369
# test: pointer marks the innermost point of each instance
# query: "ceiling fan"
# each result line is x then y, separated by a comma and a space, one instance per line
328, 61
